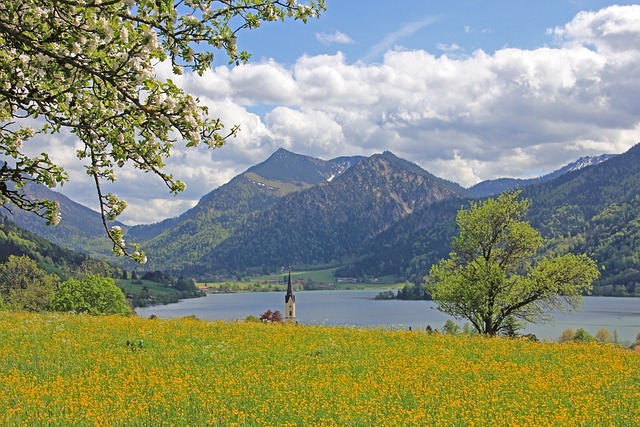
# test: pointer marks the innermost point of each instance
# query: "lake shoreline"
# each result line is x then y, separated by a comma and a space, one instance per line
359, 308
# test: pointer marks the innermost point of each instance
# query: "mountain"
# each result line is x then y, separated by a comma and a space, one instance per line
409, 247
297, 169
15, 240
178, 243
375, 216
328, 222
593, 210
497, 186
80, 228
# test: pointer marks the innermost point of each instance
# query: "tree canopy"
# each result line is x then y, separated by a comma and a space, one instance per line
86, 67
92, 295
490, 277
24, 286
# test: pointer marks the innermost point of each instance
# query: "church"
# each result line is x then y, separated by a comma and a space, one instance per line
290, 303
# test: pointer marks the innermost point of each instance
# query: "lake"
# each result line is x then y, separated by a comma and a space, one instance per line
359, 308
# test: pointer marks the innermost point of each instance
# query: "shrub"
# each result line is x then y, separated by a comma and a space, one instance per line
567, 335
583, 336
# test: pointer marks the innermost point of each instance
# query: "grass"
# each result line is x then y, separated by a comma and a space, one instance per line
324, 276
77, 370
328, 276
153, 287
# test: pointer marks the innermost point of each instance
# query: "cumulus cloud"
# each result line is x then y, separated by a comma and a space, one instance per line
479, 116
310, 131
613, 28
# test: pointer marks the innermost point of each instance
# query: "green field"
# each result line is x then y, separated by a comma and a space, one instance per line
327, 276
154, 288
74, 370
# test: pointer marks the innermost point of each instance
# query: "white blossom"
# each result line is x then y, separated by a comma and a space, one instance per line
55, 214
114, 47
124, 34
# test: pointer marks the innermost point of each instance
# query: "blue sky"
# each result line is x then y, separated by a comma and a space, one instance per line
468, 90
376, 26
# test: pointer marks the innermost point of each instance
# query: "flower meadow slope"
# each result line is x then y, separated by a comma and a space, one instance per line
120, 371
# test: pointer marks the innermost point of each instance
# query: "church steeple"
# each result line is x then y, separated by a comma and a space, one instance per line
290, 302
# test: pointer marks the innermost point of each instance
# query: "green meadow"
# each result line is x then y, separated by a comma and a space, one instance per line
75, 370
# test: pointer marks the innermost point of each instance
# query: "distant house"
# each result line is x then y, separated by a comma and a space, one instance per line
346, 279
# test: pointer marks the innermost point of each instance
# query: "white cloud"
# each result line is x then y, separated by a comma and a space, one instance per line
511, 113
334, 37
448, 47
468, 29
145, 210
308, 131
613, 28
389, 40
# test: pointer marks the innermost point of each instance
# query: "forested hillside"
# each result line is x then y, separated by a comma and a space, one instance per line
409, 247
179, 243
595, 210
15, 240
372, 216
327, 223
80, 228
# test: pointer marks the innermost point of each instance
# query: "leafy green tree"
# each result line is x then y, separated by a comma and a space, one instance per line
490, 277
583, 336
87, 67
184, 284
468, 330
450, 327
24, 286
92, 267
252, 319
92, 295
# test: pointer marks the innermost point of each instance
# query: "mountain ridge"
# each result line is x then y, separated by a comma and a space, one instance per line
374, 215
497, 186
593, 210
325, 223
89, 238
221, 211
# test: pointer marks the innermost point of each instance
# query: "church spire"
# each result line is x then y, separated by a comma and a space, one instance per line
290, 302
290, 295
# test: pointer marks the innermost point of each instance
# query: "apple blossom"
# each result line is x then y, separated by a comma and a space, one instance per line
87, 66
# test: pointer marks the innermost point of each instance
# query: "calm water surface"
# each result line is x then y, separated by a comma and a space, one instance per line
359, 308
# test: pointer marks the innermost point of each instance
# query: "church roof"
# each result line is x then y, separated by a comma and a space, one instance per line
289, 296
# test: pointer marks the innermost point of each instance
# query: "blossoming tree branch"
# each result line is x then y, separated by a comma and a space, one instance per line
87, 66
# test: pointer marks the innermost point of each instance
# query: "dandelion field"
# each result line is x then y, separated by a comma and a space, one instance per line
66, 370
